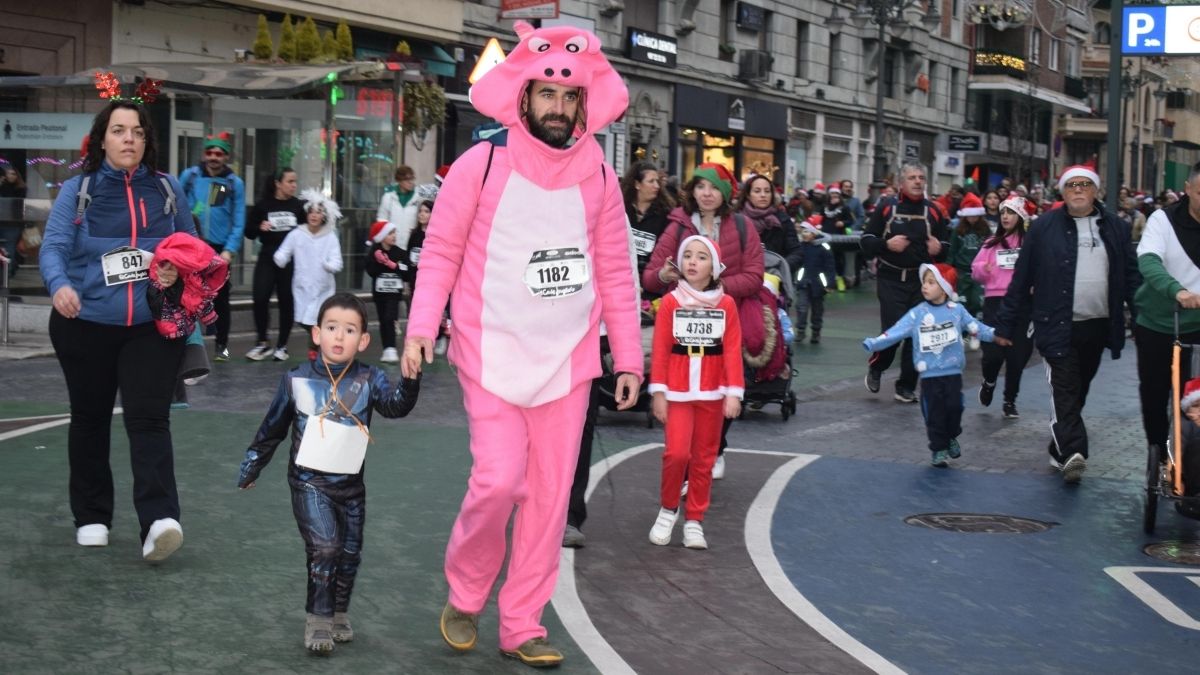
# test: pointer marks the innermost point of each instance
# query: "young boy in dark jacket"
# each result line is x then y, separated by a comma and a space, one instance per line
326, 405
814, 275
388, 265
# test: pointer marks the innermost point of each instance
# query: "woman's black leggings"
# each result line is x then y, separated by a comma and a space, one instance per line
1013, 359
270, 278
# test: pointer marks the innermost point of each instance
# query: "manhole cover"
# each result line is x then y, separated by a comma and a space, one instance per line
1178, 552
985, 523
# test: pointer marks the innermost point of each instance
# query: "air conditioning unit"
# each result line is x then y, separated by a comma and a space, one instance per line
755, 65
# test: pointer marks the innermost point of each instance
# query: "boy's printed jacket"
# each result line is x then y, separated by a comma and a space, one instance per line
696, 378
302, 392
947, 320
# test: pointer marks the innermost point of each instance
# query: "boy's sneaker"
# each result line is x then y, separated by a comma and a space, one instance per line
261, 351
280, 354
800, 336
1072, 469
92, 535
390, 356
222, 354
660, 534
342, 631
459, 629
164, 538
573, 538
816, 339
905, 396
872, 380
986, 391
693, 535
718, 471
535, 652
318, 634
940, 458
955, 450
1010, 410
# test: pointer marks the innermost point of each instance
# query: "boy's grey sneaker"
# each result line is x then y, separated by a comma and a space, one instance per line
261, 351
318, 634
872, 380
573, 538
222, 354
1010, 410
940, 458
906, 396
955, 450
536, 652
281, 354
986, 391
1073, 468
459, 629
342, 631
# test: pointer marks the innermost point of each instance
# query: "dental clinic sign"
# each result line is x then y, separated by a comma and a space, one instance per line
650, 47
1173, 29
43, 131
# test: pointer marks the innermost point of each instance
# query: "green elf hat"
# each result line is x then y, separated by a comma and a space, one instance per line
222, 141
718, 175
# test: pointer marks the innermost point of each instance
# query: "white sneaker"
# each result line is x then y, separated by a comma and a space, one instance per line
164, 538
1073, 468
660, 534
92, 535
683, 490
261, 351
693, 535
193, 381
281, 354
390, 356
719, 468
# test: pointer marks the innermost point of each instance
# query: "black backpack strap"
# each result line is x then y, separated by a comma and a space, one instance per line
740, 221
83, 198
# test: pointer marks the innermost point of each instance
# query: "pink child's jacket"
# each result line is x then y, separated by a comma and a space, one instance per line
987, 271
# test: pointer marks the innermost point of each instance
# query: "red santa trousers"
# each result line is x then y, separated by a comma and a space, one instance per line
693, 435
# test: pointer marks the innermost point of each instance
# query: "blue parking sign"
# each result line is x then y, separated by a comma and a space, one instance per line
1144, 30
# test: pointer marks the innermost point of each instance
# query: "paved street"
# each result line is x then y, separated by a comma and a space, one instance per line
811, 569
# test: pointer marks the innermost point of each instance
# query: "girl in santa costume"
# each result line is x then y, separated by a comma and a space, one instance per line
696, 380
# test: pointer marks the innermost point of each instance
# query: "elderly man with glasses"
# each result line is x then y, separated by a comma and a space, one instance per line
217, 199
1076, 273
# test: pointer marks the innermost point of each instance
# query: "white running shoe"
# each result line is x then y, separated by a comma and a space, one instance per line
281, 354
693, 535
92, 535
390, 356
164, 538
261, 351
719, 468
660, 534
193, 381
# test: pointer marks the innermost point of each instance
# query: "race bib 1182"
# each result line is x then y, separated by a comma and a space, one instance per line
557, 272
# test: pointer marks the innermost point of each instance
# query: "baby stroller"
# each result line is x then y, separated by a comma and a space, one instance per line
608, 379
1164, 466
767, 382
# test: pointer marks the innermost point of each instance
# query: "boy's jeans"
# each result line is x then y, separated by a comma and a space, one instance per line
942, 406
333, 534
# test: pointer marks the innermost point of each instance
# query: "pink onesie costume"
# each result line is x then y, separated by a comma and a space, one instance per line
535, 255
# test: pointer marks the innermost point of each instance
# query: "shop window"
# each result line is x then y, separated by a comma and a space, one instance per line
757, 151
719, 150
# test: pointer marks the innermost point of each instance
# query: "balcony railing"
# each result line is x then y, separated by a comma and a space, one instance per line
1164, 129
1073, 87
994, 62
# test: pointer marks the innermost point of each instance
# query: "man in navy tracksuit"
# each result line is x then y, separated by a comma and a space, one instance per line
217, 198
1082, 262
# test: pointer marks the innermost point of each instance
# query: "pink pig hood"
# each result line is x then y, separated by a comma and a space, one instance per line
566, 56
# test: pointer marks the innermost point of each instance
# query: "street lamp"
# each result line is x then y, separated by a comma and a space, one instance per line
884, 13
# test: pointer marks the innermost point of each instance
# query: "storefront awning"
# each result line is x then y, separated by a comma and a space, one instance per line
1059, 100
222, 79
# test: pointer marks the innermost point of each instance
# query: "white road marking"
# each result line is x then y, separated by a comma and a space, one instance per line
574, 616
1128, 577
38, 427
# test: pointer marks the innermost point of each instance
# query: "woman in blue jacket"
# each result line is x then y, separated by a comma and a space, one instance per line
95, 261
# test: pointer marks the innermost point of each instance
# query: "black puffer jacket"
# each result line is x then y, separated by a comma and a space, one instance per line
1043, 284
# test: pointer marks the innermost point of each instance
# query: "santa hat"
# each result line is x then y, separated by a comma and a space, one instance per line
380, 230
971, 205
818, 188
1017, 205
713, 251
810, 225
835, 190
946, 277
718, 175
1077, 171
772, 283
440, 175
1191, 394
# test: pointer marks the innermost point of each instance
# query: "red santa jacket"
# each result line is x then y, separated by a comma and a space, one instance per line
704, 374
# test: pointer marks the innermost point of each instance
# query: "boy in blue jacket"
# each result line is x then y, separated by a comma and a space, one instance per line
936, 327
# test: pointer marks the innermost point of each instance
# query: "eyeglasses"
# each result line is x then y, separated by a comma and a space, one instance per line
214, 153
1080, 185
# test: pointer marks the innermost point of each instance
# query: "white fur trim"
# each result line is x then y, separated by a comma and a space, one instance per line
383, 232
1077, 171
922, 366
1187, 401
940, 279
972, 211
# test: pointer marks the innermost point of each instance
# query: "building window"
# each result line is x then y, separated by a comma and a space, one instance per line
956, 100
764, 35
835, 57
1072, 58
891, 62
1097, 95
1035, 46
934, 71
802, 68
1103, 33
1053, 55
643, 15
725, 46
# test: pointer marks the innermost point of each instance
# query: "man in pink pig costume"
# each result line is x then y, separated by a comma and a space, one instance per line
530, 239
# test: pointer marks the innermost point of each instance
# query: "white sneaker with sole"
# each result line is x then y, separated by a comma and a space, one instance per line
390, 356
261, 351
719, 468
280, 354
164, 538
693, 535
92, 535
1073, 468
660, 534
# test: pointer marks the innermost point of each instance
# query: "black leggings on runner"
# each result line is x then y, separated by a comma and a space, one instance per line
270, 278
